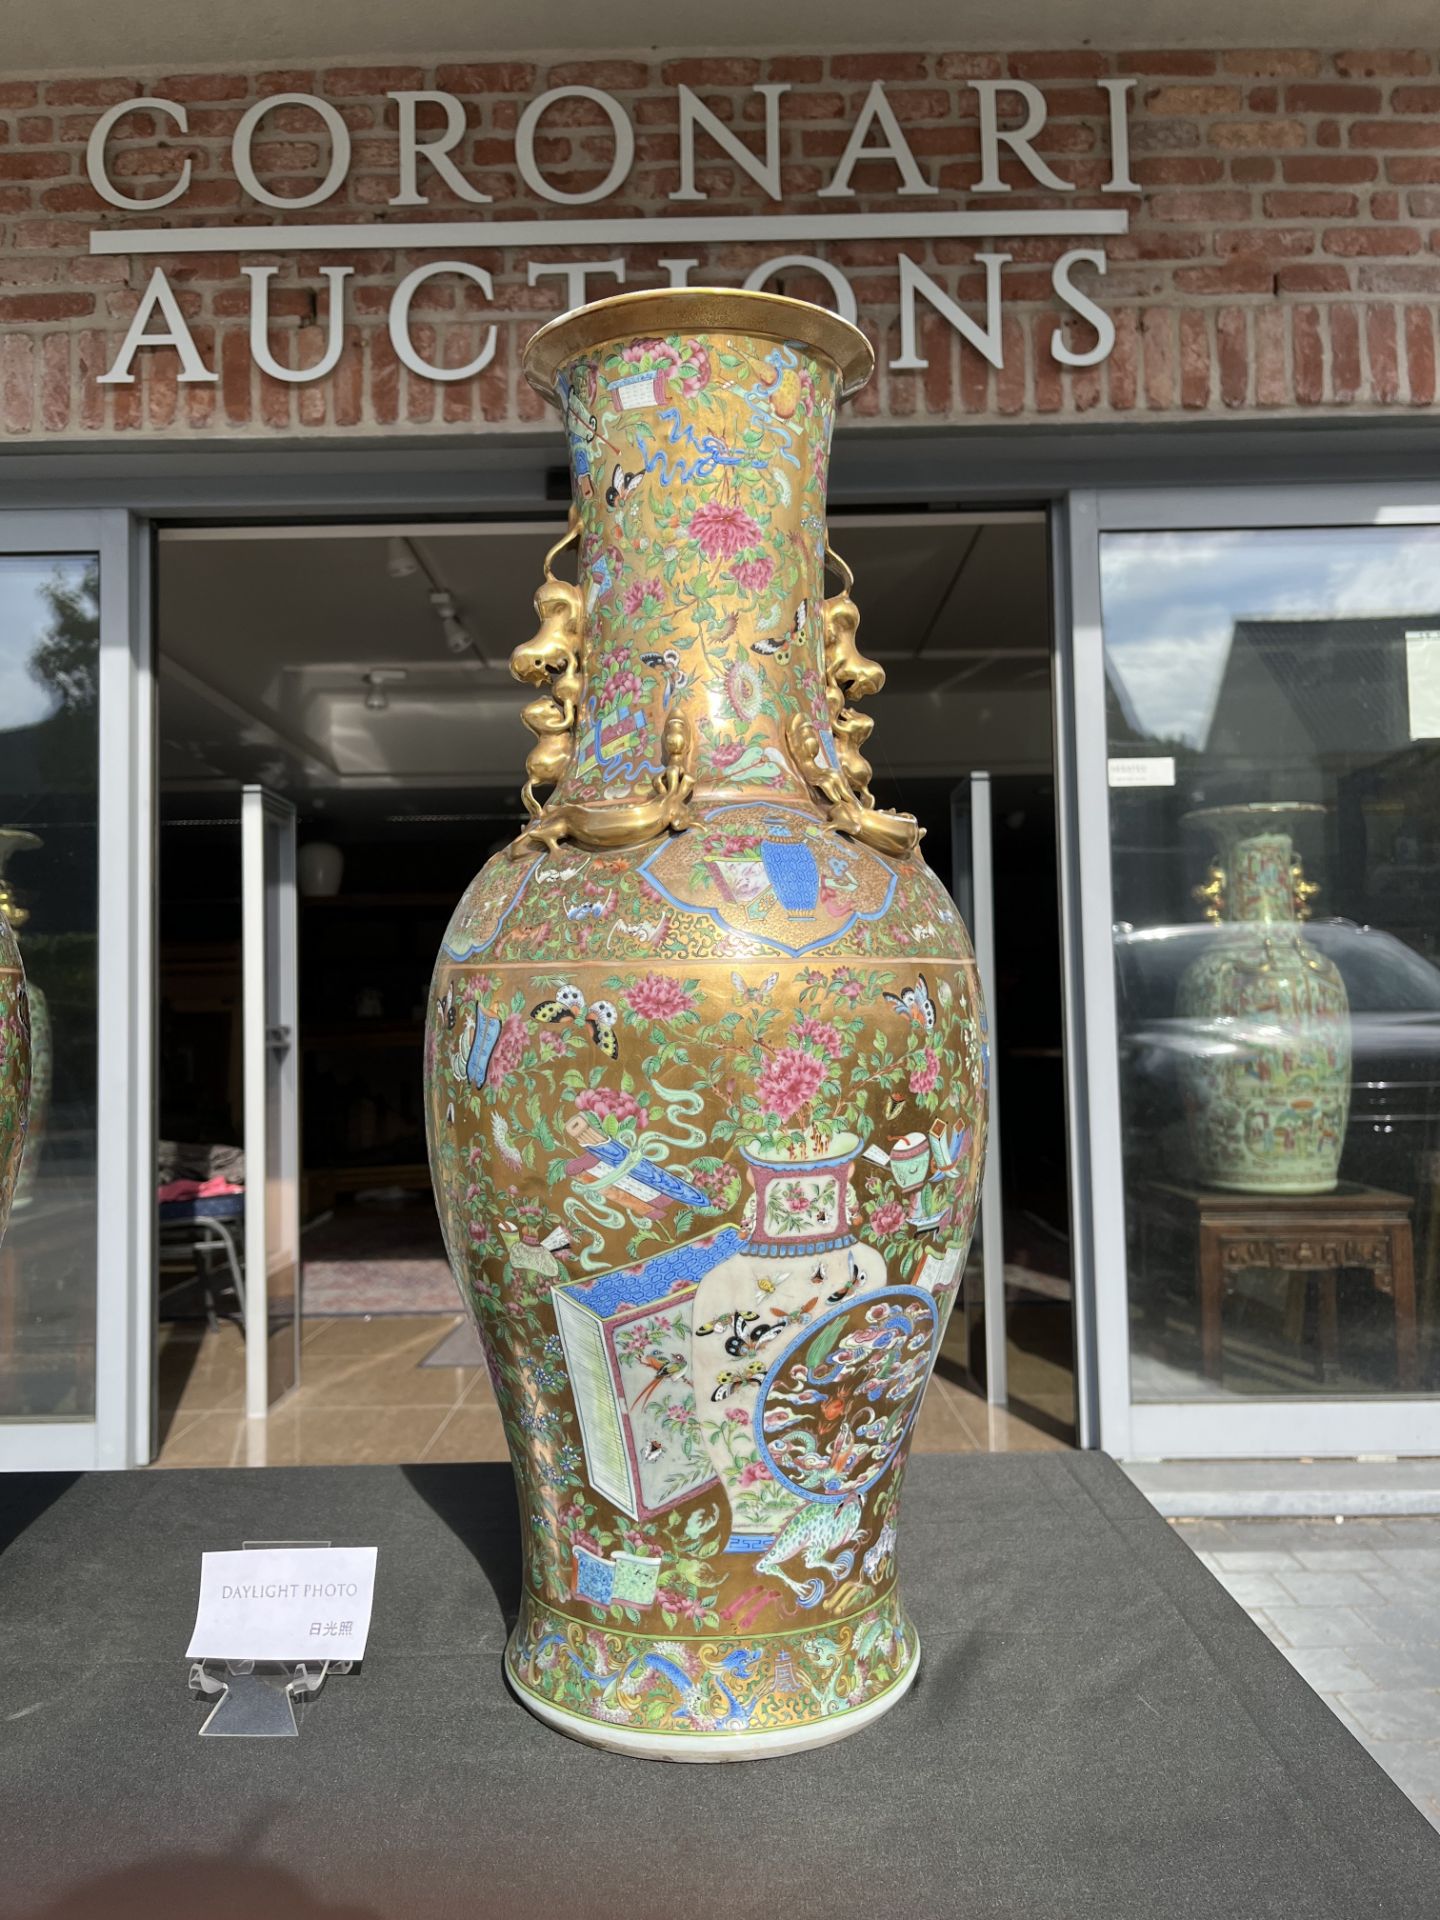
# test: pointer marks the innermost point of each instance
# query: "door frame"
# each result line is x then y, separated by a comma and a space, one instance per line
1184, 1429
269, 932
121, 1431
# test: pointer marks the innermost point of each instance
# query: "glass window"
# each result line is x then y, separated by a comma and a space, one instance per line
49, 710
1274, 741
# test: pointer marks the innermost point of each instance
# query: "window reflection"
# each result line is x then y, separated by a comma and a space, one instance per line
49, 697
1278, 955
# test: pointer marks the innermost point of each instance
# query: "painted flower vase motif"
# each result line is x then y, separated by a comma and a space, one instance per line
42, 1057
14, 1060
1267, 1086
706, 1068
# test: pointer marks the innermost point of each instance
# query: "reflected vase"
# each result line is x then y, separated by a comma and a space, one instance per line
42, 1058
1266, 1071
706, 1068
14, 1063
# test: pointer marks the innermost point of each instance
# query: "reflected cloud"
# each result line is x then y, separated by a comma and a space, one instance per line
1171, 602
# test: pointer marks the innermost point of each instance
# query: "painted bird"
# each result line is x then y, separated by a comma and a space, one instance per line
665, 1367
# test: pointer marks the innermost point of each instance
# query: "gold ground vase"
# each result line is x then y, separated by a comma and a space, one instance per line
14, 1056
706, 1067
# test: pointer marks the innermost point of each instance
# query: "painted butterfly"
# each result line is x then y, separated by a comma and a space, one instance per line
568, 1004
754, 996
916, 1004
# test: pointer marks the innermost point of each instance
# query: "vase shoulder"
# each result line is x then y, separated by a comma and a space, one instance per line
749, 879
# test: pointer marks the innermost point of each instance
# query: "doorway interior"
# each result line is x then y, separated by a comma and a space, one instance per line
360, 672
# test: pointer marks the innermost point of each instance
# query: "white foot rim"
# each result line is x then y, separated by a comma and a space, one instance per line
709, 1747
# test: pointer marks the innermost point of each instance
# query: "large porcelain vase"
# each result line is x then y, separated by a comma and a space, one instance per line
706, 1068
14, 1063
1266, 1070
42, 1058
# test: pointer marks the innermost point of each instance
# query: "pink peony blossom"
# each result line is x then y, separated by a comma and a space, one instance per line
658, 997
509, 1048
820, 1033
753, 1474
637, 593
608, 1103
753, 575
888, 1217
924, 1077
673, 1602
737, 1414
789, 1082
722, 532
693, 383
651, 353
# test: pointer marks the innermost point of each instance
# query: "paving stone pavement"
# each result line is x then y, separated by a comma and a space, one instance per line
1355, 1607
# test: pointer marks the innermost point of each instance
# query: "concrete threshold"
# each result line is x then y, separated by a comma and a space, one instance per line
1262, 1489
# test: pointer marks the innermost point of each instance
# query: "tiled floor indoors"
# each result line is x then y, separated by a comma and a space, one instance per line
1355, 1608
365, 1399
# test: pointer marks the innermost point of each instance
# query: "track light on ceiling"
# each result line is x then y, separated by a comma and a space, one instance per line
457, 635
376, 681
400, 560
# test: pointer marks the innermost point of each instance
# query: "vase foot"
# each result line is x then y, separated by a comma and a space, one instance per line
716, 1747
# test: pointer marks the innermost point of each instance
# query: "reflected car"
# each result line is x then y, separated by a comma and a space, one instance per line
1394, 996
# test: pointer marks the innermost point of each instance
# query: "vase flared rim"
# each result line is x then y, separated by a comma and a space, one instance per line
1262, 812
661, 310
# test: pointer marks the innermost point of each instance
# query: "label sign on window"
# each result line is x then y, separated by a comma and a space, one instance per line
1422, 674
1143, 770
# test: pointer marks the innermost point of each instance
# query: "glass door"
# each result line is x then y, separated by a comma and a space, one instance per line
1258, 718
75, 781
272, 1100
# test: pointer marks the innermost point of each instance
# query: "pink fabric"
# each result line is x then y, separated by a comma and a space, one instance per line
196, 1189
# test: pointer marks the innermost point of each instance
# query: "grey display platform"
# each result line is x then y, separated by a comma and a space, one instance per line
1098, 1730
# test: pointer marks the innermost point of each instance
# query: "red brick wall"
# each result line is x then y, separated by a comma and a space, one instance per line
1282, 255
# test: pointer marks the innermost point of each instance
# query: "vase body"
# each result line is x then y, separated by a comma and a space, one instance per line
14, 1068
668, 1077
42, 1076
1267, 1086
36, 1020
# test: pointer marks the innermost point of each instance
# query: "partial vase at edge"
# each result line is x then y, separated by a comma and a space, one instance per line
15, 1038
706, 1067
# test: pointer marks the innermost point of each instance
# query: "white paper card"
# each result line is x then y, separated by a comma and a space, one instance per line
284, 1603
1143, 770
1422, 674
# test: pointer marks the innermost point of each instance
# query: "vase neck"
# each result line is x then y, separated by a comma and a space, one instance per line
698, 466
1259, 883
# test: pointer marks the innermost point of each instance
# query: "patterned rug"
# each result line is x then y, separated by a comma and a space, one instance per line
377, 1260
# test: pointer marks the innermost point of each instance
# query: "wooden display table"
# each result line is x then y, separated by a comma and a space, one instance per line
1312, 1234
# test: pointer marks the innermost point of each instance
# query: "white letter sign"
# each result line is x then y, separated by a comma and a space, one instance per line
95, 156
525, 146
400, 320
157, 294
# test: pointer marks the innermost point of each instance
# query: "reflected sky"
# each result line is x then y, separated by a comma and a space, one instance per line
1171, 600
25, 618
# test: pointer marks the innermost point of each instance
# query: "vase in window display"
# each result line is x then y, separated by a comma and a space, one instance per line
42, 1059
1267, 1073
706, 1068
14, 1046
